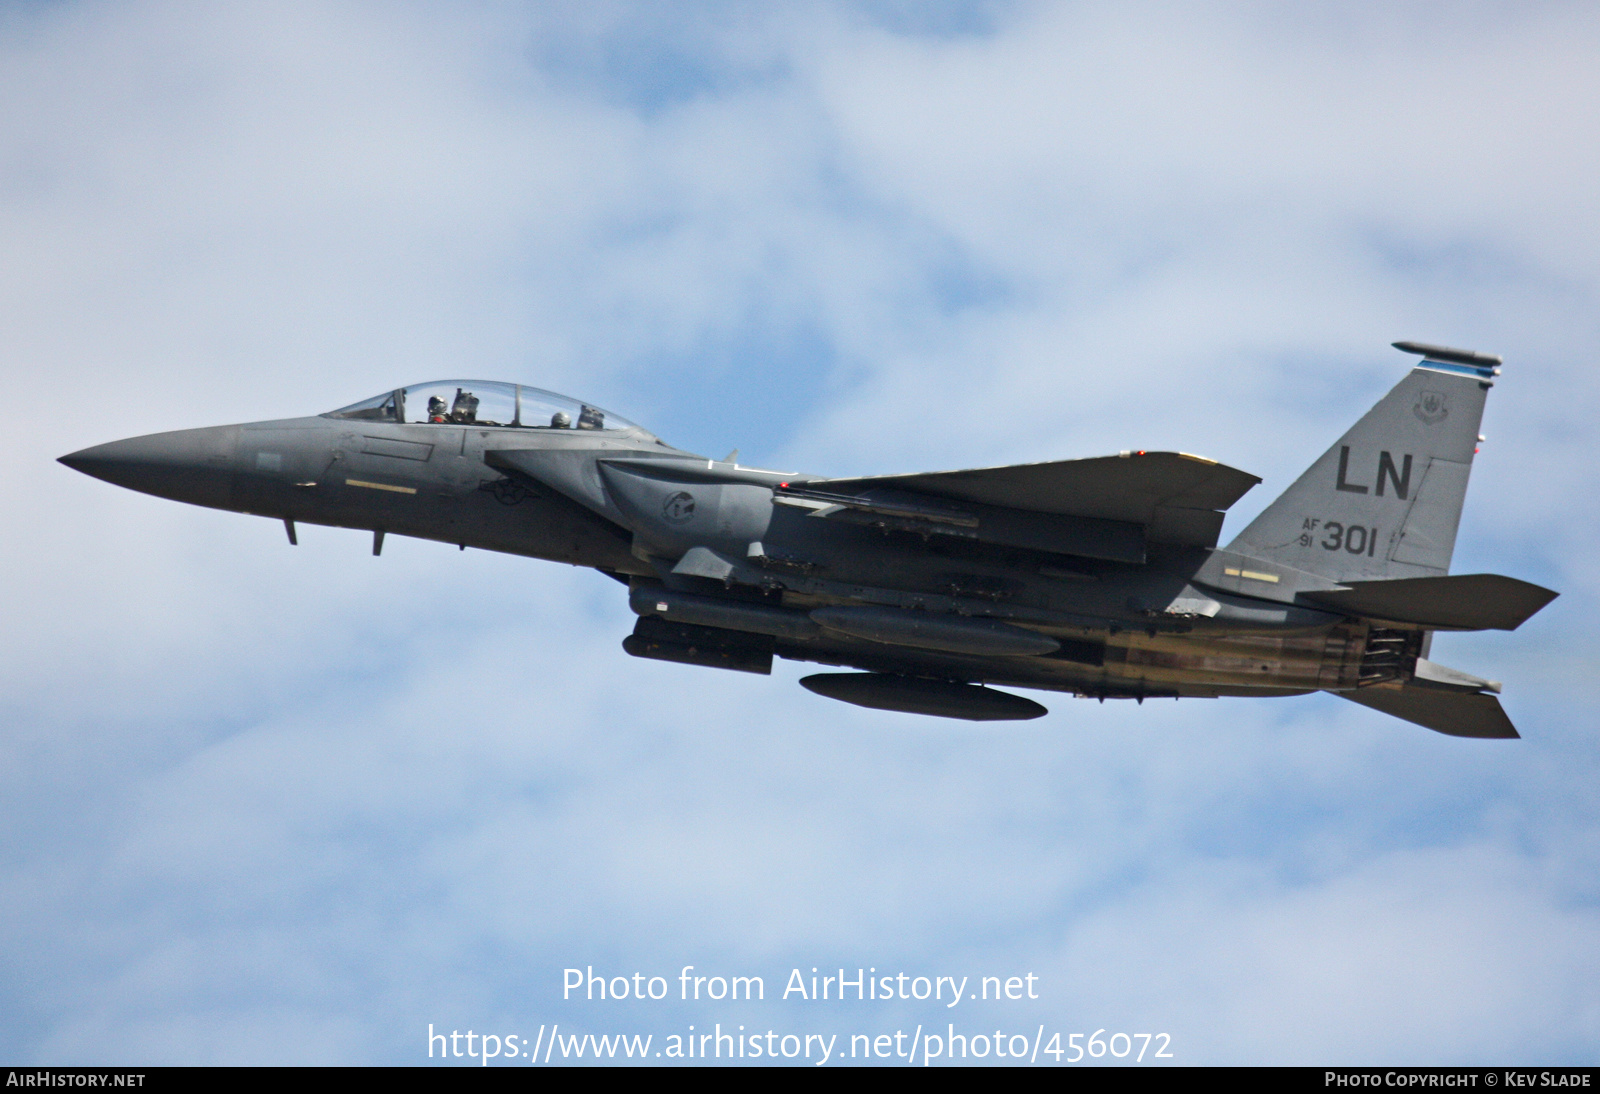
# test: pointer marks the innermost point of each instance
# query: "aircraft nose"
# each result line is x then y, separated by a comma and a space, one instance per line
190, 465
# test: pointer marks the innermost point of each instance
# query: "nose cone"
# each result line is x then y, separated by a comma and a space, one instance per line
191, 465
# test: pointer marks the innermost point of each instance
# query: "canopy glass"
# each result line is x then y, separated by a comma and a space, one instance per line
482, 403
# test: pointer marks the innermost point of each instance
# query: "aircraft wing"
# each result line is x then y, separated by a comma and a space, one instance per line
1176, 497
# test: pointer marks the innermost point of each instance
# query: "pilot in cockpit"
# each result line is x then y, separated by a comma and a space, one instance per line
465, 409
436, 409
559, 420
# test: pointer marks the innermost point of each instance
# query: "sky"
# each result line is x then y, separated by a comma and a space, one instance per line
265, 804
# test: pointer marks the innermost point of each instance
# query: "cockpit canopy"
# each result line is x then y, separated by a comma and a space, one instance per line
482, 403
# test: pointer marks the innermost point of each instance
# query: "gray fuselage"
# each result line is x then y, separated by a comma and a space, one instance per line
627, 504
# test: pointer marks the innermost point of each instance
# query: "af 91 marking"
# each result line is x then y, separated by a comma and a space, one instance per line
1355, 539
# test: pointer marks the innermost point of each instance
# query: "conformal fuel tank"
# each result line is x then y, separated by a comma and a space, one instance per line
931, 631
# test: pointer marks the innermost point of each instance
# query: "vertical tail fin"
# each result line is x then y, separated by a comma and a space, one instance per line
1385, 500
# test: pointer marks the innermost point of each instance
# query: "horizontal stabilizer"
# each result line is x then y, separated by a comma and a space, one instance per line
1456, 713
1177, 497
1469, 602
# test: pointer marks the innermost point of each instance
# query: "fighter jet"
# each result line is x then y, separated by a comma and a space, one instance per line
1100, 578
